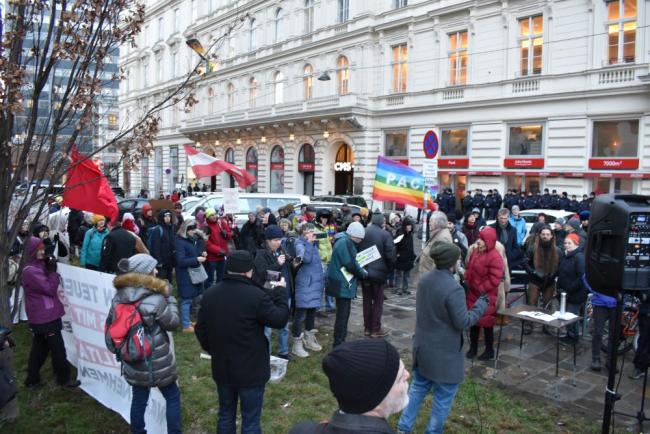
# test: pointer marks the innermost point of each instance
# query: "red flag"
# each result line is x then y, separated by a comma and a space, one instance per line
204, 165
87, 188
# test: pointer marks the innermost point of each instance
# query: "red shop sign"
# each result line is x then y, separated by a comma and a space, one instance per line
251, 166
529, 163
277, 166
306, 167
614, 163
453, 162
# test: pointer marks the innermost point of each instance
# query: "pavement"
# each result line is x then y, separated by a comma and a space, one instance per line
529, 371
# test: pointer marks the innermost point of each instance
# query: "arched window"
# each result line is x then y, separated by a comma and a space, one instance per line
308, 82
309, 16
277, 32
252, 92
278, 88
231, 96
229, 157
252, 35
210, 100
277, 170
307, 166
251, 167
342, 75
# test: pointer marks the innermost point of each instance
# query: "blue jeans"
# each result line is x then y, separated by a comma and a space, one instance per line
251, 399
139, 404
211, 267
403, 276
283, 339
443, 398
186, 303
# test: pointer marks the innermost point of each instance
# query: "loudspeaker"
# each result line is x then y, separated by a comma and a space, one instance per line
618, 244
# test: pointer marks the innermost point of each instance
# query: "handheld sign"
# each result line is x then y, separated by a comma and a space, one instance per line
430, 144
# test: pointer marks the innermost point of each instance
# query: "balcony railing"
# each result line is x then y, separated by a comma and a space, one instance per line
525, 86
613, 76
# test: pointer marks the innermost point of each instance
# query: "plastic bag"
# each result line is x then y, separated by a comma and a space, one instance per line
278, 369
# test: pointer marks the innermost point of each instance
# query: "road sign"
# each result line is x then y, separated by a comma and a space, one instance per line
430, 144
430, 172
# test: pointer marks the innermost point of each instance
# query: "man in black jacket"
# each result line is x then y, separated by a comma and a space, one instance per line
468, 202
119, 244
230, 327
373, 287
507, 235
163, 245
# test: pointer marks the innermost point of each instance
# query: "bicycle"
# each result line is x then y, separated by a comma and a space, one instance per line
629, 336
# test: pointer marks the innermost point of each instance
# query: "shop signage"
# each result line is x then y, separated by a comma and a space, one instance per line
430, 144
453, 162
343, 166
614, 163
277, 166
306, 167
251, 166
520, 163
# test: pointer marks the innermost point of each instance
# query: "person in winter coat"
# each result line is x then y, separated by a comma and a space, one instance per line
200, 218
468, 202
40, 282
308, 290
159, 312
163, 240
569, 280
128, 223
483, 275
504, 286
338, 284
405, 257
541, 264
604, 312
457, 237
470, 228
119, 244
146, 221
519, 224
189, 254
217, 246
250, 234
230, 327
507, 235
439, 232
91, 249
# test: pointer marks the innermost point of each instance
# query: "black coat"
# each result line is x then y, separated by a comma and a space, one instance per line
565, 204
479, 201
376, 236
468, 204
405, 251
513, 252
545, 201
569, 278
163, 245
119, 244
265, 260
250, 237
230, 327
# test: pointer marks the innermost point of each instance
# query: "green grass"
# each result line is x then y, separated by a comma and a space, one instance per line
303, 395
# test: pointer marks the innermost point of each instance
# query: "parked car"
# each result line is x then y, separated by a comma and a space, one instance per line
350, 200
133, 205
530, 216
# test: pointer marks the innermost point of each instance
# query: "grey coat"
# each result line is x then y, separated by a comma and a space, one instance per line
160, 313
441, 317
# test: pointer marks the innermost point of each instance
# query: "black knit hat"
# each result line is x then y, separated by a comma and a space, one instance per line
239, 261
361, 373
444, 254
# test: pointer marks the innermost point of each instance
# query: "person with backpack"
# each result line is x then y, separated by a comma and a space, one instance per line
161, 244
190, 257
91, 249
119, 244
143, 305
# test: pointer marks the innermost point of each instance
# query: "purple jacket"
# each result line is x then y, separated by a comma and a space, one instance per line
41, 299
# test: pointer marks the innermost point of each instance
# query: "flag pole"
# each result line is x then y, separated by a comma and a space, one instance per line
425, 221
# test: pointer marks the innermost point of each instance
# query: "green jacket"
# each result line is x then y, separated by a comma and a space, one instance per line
324, 242
344, 255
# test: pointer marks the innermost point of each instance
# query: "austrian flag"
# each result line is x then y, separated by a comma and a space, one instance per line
203, 166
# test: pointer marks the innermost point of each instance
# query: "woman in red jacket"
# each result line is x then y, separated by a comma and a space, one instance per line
483, 274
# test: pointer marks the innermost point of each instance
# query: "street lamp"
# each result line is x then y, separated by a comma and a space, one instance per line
324, 76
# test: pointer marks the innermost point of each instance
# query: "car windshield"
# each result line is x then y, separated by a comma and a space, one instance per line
276, 203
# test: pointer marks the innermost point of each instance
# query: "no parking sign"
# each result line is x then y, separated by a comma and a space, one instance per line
430, 144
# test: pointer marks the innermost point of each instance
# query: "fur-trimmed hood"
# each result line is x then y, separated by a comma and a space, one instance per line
142, 282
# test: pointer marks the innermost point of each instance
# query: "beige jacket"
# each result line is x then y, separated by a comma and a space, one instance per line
425, 262
504, 286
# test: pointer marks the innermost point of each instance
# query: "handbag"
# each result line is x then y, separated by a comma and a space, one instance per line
197, 274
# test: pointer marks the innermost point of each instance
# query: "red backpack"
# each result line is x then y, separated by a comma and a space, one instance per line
126, 334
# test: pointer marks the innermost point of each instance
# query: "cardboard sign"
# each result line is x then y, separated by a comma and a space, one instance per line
230, 200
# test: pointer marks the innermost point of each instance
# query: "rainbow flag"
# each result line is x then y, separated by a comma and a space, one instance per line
396, 182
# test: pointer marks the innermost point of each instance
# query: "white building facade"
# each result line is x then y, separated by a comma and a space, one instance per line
527, 94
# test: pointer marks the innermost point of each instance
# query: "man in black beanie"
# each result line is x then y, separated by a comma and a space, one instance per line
441, 317
370, 383
230, 327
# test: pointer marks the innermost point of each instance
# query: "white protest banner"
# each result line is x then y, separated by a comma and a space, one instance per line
367, 256
230, 200
87, 296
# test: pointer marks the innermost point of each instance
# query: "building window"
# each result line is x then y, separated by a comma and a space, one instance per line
161, 29
173, 164
195, 10
307, 166
251, 167
526, 139
458, 58
173, 68
621, 30
112, 122
277, 170
231, 96
277, 32
145, 35
342, 75
158, 170
309, 16
177, 20
252, 35
615, 138
343, 10
454, 141
278, 88
308, 82
252, 93
531, 41
210, 100
396, 144
399, 4
159, 69
145, 73
400, 67
230, 158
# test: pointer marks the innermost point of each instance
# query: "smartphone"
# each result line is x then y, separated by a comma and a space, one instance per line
273, 276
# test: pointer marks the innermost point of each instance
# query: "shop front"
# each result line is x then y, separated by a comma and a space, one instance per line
344, 170
306, 168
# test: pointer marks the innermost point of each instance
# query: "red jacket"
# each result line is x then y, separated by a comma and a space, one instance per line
217, 245
483, 275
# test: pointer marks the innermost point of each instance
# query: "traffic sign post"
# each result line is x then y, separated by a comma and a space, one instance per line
430, 145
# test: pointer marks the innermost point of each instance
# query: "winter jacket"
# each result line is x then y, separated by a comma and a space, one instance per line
530, 202
520, 228
265, 260
425, 261
377, 236
545, 201
510, 242
504, 286
569, 277
309, 279
343, 423
325, 236
91, 249
41, 287
163, 241
468, 204
538, 277
119, 244
598, 299
574, 206
564, 203
479, 201
230, 327
250, 237
405, 251
460, 240
217, 245
441, 316
160, 314
186, 253
344, 256
470, 232
483, 275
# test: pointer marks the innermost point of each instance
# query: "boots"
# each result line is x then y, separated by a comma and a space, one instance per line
298, 349
595, 364
472, 352
310, 341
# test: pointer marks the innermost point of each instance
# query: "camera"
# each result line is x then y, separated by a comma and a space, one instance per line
50, 263
273, 276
